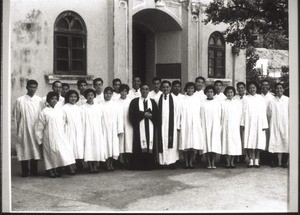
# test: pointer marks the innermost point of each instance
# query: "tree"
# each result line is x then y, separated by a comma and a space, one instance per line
249, 17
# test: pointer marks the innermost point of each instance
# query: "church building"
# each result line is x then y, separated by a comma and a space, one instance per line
70, 39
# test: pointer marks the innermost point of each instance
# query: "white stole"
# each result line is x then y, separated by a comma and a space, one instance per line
143, 138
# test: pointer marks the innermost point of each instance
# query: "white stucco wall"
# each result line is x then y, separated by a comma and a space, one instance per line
32, 50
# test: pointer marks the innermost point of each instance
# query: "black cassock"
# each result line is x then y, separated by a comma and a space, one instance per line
143, 160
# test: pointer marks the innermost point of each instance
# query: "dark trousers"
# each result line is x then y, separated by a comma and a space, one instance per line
33, 167
284, 158
265, 158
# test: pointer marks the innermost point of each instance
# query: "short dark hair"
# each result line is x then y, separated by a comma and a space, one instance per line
124, 87
255, 84
65, 85
134, 77
265, 80
230, 88
210, 87
53, 84
240, 83
80, 81
116, 80
108, 89
50, 95
96, 80
189, 84
87, 91
201, 78
166, 82
279, 83
156, 79
68, 94
32, 82
176, 82
217, 82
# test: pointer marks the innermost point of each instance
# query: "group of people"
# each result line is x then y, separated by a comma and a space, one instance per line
143, 129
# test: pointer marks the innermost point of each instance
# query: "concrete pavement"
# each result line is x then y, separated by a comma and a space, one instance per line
197, 190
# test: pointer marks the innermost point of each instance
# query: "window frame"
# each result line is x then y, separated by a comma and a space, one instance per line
70, 34
216, 48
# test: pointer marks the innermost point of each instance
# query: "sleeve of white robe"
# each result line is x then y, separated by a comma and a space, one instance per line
39, 128
264, 119
17, 115
120, 121
244, 107
269, 109
177, 114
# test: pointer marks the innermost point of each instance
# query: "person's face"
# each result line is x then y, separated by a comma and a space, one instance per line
123, 94
73, 98
176, 89
156, 85
90, 97
229, 94
241, 89
190, 90
218, 87
265, 87
199, 84
108, 95
53, 101
117, 86
31, 89
64, 90
252, 89
144, 91
166, 88
210, 94
136, 83
98, 86
279, 90
82, 87
57, 88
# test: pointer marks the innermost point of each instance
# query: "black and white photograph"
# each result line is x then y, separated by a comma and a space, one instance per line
186, 106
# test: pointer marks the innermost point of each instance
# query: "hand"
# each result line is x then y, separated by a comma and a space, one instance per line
148, 115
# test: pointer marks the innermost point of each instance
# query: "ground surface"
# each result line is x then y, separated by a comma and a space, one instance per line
198, 190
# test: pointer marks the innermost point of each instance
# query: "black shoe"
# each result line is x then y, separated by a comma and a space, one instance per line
34, 174
24, 174
250, 166
284, 166
274, 165
51, 174
256, 166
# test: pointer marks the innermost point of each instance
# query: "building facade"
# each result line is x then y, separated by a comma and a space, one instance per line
72, 39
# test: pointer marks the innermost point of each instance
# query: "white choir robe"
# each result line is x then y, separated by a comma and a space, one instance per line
278, 111
26, 113
254, 119
115, 96
126, 139
99, 98
200, 94
81, 101
92, 131
240, 100
220, 96
132, 94
49, 131
74, 128
230, 123
153, 95
169, 155
58, 105
191, 135
210, 113
111, 126
268, 97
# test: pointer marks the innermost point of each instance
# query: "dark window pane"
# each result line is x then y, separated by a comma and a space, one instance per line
77, 65
211, 41
77, 42
62, 41
211, 63
77, 54
219, 54
62, 23
62, 65
220, 72
219, 42
211, 54
62, 53
219, 62
76, 25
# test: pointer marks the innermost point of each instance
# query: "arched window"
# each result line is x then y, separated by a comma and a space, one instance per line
69, 44
216, 56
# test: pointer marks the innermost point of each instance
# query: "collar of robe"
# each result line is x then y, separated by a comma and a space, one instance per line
210, 98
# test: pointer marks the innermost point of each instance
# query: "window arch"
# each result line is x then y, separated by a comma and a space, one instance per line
216, 56
69, 44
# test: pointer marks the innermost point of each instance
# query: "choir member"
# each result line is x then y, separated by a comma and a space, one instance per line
155, 93
98, 84
65, 89
26, 112
82, 86
116, 85
135, 92
219, 88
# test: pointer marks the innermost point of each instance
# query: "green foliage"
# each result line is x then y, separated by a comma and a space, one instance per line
247, 17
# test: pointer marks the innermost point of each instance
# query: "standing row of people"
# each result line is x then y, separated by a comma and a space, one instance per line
141, 128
